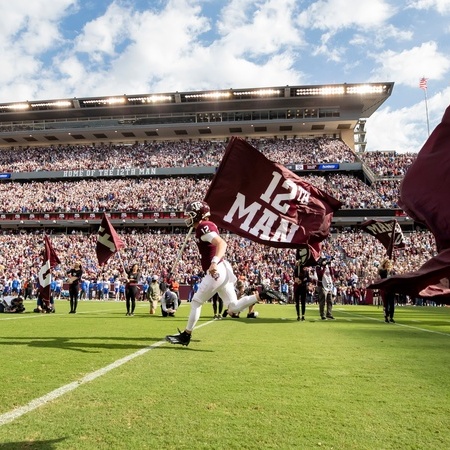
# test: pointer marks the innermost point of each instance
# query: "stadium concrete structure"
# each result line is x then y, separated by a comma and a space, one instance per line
335, 111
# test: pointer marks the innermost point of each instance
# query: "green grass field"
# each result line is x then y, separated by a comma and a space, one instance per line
101, 380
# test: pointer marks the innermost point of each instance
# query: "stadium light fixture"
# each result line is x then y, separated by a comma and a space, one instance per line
106, 101
57, 104
17, 106
212, 95
324, 90
359, 89
152, 99
258, 93
366, 89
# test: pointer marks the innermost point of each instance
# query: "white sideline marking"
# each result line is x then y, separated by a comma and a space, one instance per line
59, 392
396, 323
37, 315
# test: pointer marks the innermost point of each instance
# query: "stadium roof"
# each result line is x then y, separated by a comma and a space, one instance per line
302, 111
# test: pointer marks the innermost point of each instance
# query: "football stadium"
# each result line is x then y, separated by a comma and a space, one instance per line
92, 187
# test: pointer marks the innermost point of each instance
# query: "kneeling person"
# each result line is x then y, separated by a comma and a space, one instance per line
169, 303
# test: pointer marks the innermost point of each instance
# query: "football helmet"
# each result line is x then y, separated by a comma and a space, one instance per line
195, 212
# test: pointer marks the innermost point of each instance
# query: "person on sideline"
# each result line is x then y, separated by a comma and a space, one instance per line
169, 303
217, 305
153, 293
385, 270
75, 274
219, 277
302, 279
325, 289
131, 288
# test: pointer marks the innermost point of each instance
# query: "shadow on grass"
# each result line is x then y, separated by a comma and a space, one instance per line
73, 343
37, 445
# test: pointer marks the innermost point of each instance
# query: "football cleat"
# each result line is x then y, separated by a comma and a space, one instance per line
182, 338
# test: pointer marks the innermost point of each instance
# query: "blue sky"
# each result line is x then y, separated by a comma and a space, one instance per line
85, 48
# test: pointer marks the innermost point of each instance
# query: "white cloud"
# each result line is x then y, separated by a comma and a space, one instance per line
338, 14
150, 58
28, 31
407, 66
442, 6
378, 40
259, 28
406, 129
101, 35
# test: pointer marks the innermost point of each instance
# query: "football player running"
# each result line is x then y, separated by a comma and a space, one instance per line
219, 277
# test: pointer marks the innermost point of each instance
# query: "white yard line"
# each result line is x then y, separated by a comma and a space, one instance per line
53, 395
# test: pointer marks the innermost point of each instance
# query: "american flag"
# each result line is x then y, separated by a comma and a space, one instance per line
423, 83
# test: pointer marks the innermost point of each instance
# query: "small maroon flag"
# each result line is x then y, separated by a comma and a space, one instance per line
50, 260
389, 233
108, 241
265, 202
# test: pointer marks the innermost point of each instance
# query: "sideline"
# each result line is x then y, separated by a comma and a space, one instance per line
53, 395
13, 316
395, 324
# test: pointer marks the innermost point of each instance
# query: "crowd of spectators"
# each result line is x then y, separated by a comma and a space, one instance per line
167, 154
159, 194
388, 163
151, 194
355, 256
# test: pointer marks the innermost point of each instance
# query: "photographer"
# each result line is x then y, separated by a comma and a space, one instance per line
12, 304
169, 303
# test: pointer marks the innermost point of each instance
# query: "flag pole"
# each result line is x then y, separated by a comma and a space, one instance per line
180, 251
423, 84
391, 242
121, 261
426, 111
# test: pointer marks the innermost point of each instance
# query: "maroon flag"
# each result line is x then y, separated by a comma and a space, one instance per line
424, 197
50, 260
428, 281
108, 241
267, 203
308, 255
389, 233
423, 83
424, 191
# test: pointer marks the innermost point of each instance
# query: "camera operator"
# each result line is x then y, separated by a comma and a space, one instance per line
169, 303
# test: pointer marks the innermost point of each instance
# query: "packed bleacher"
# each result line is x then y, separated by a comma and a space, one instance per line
356, 254
157, 194
167, 154
388, 163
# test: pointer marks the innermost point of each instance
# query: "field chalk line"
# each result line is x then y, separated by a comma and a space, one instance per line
53, 395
